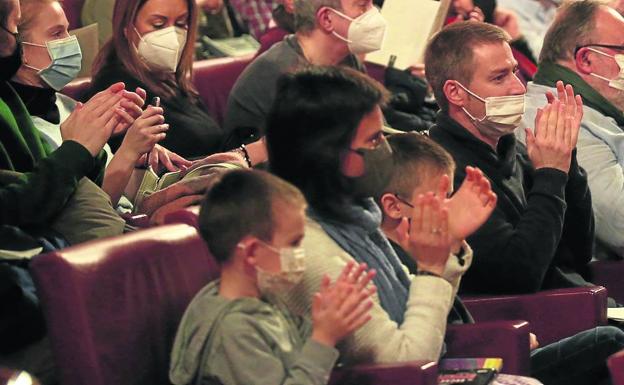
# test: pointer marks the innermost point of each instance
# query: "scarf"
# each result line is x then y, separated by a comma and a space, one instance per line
549, 73
363, 239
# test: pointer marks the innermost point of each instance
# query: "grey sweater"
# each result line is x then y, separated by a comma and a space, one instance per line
253, 93
246, 341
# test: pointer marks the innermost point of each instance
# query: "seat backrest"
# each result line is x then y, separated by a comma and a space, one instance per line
553, 314
73, 11
214, 79
112, 306
77, 89
616, 367
188, 215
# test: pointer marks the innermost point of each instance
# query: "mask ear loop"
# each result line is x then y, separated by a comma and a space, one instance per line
346, 40
25, 64
603, 54
478, 98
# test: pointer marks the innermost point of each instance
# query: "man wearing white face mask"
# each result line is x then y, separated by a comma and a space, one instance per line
541, 232
328, 32
583, 47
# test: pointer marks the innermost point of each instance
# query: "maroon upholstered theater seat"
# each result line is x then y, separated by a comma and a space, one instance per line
73, 11
616, 367
406, 373
113, 306
609, 274
77, 89
213, 79
553, 314
188, 215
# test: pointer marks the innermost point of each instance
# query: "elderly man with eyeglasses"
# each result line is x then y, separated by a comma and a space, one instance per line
584, 47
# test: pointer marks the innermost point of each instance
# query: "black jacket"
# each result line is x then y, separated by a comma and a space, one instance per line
540, 236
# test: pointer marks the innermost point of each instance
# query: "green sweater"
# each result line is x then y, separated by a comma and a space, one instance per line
45, 180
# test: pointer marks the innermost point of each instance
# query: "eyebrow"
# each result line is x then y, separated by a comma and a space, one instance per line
502, 70
58, 26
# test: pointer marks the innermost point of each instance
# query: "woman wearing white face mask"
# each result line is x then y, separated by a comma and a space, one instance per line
51, 59
152, 48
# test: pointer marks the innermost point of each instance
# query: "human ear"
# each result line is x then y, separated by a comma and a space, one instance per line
583, 61
324, 19
390, 206
454, 93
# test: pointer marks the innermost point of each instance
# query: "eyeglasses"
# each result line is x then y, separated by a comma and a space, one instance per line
610, 46
404, 201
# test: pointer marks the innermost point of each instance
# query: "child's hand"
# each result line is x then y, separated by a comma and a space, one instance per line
427, 234
144, 133
471, 205
341, 308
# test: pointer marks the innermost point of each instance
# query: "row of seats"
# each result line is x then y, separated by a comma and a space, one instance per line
113, 306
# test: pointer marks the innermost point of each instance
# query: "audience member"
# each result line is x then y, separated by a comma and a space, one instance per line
255, 15
323, 37
43, 27
36, 185
101, 12
533, 18
421, 165
507, 20
324, 136
152, 48
541, 234
234, 332
583, 48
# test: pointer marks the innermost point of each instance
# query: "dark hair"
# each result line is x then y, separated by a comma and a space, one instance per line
415, 154
242, 203
449, 54
312, 123
6, 7
572, 27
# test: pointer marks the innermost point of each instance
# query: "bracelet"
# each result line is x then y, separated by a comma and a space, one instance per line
243, 150
427, 273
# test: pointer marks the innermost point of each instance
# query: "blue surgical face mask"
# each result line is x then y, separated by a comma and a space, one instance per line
66, 62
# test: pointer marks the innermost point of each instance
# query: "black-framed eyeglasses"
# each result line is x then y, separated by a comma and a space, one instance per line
610, 46
402, 200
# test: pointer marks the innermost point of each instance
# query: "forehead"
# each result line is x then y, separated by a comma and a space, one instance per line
164, 7
370, 125
430, 178
48, 16
492, 57
288, 219
609, 27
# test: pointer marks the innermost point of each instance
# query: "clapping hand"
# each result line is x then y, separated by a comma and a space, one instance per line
340, 308
556, 130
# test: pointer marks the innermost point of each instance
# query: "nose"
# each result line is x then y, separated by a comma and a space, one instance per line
518, 87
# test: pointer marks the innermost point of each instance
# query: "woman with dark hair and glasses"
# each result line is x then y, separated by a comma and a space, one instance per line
324, 135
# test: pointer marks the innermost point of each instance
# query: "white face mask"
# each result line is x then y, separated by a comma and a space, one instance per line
292, 267
618, 82
502, 114
162, 49
366, 32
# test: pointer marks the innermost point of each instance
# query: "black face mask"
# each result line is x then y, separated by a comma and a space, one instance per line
10, 64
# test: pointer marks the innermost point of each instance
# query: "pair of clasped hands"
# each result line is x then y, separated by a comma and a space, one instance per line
116, 111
